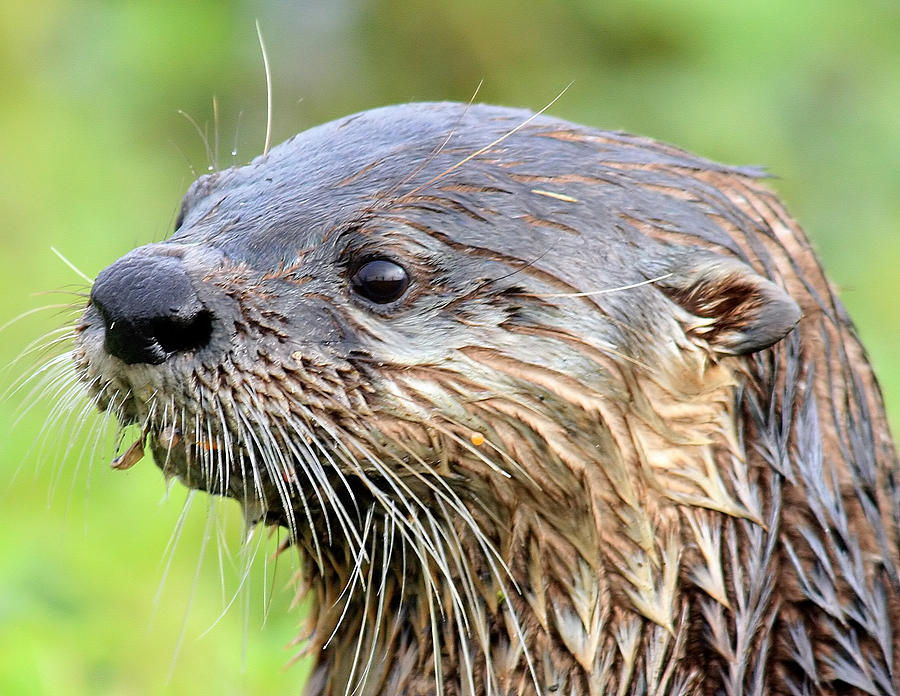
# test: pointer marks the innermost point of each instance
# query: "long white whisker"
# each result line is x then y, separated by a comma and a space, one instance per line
194, 585
265, 57
169, 551
81, 274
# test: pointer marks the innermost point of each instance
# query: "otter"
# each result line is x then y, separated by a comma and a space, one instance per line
544, 409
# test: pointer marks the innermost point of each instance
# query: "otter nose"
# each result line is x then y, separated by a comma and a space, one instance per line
149, 309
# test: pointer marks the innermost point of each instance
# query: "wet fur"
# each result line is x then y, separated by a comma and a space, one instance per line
670, 497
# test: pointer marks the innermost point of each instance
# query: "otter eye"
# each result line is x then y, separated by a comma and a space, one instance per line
380, 281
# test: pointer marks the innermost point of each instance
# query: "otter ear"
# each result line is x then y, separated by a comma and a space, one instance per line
744, 312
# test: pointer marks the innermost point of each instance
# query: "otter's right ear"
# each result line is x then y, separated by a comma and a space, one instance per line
746, 312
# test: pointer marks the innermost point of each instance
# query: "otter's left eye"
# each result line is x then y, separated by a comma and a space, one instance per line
380, 281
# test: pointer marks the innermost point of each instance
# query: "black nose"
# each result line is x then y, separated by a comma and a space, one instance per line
150, 309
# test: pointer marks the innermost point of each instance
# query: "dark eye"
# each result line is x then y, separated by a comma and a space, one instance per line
380, 281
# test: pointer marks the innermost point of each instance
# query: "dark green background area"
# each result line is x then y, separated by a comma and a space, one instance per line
95, 158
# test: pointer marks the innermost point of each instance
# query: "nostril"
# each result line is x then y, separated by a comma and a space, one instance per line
150, 309
176, 334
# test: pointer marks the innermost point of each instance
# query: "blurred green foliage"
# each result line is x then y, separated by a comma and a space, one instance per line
96, 157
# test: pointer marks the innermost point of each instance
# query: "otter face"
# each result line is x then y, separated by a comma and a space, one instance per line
506, 382
361, 301
449, 335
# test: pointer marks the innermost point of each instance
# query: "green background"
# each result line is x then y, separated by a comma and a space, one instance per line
95, 158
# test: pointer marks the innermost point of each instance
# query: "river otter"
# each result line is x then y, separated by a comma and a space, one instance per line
544, 409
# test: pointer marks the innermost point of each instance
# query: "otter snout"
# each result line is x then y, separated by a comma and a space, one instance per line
150, 309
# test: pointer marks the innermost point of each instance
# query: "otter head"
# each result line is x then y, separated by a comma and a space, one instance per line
475, 361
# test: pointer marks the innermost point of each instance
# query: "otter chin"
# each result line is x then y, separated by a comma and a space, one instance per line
544, 409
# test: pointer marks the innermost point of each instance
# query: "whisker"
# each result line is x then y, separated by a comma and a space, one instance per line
168, 554
354, 577
604, 291
492, 144
203, 137
265, 57
37, 310
215, 107
436, 150
84, 276
193, 591
250, 550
